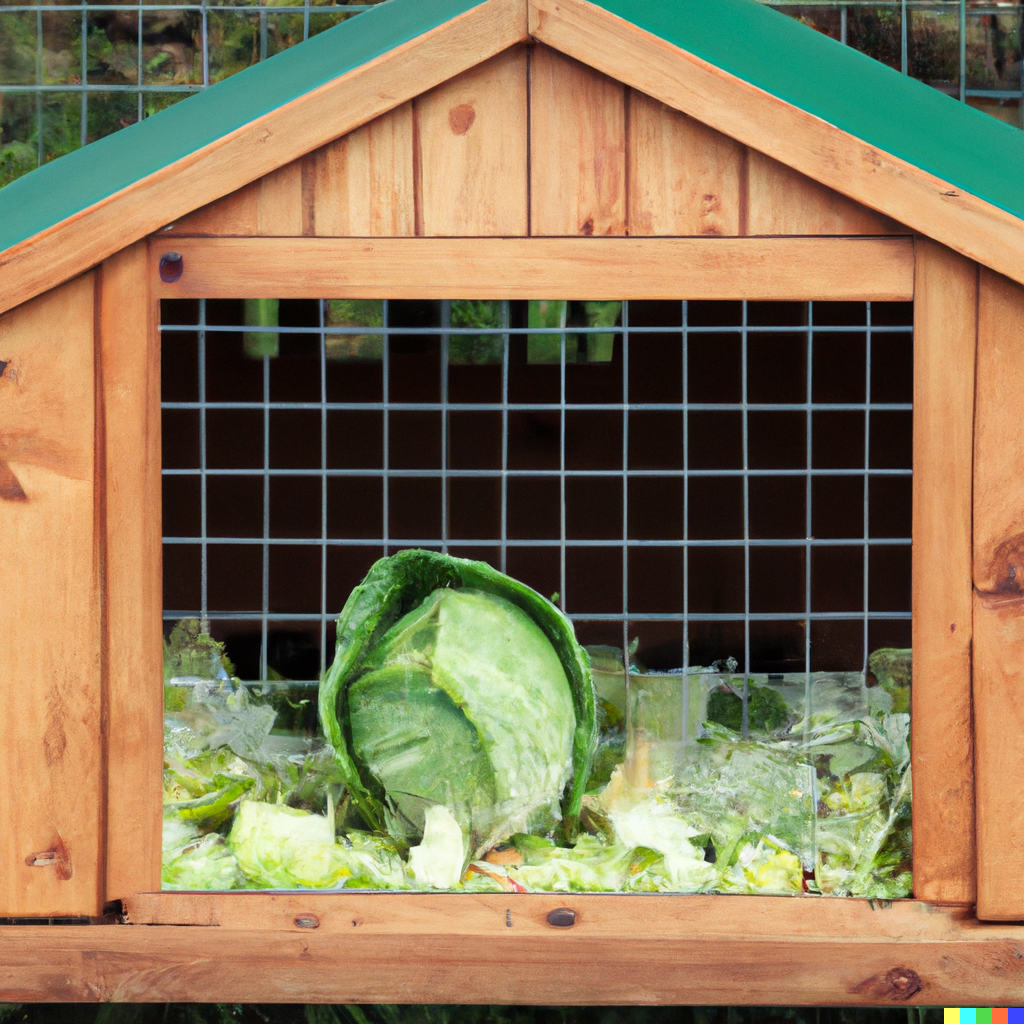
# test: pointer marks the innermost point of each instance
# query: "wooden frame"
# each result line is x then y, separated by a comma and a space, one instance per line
621, 268
79, 432
501, 948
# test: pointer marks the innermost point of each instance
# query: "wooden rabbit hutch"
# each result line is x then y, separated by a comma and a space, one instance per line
634, 150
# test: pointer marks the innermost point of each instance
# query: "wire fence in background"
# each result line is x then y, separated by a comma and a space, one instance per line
720, 479
71, 73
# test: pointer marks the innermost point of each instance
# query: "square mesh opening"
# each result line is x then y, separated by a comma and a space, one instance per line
715, 479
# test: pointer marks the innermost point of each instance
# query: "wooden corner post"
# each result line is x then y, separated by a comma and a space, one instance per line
999, 598
132, 635
945, 318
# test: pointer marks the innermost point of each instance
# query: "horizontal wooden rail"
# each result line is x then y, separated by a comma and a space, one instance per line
307, 947
853, 269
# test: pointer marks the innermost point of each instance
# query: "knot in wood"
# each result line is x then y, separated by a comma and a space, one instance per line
897, 985
461, 118
307, 921
563, 917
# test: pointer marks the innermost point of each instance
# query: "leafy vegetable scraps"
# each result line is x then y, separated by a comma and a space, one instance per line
766, 710
460, 717
455, 685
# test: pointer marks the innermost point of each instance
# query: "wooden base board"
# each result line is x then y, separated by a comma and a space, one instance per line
451, 948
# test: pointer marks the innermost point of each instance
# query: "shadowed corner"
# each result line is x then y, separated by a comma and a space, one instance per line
10, 489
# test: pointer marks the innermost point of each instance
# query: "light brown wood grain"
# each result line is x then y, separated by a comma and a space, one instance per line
684, 177
235, 214
363, 182
500, 949
279, 201
471, 137
577, 148
601, 915
782, 201
256, 149
570, 268
792, 136
51, 740
945, 331
133, 654
999, 597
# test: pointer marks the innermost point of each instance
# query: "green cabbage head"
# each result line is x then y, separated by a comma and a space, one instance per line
453, 684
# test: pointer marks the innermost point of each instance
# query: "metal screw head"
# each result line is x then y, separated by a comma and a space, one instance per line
171, 267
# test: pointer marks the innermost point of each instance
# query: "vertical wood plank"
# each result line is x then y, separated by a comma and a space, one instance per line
279, 201
945, 328
684, 177
999, 598
577, 148
471, 139
781, 201
235, 214
51, 800
362, 183
130, 383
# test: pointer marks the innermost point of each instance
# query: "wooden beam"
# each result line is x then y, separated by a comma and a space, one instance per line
130, 393
790, 135
516, 268
945, 330
258, 148
405, 947
51, 735
999, 598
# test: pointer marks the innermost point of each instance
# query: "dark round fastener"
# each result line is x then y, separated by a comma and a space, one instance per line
171, 266
563, 917
307, 921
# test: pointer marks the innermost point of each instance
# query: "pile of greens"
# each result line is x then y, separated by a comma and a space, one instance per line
471, 744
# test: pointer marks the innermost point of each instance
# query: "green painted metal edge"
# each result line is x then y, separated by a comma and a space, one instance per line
896, 114
58, 190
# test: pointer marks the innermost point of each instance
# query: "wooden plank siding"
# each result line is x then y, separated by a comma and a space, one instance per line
577, 148
471, 151
133, 640
945, 331
362, 183
586, 154
51, 728
999, 597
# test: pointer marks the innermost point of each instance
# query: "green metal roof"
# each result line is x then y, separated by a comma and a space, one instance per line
894, 113
58, 190
969, 149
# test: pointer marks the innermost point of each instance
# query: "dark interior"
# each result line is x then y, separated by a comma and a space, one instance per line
428, 501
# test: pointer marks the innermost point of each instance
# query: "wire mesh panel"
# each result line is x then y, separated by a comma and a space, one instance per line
718, 479
717, 494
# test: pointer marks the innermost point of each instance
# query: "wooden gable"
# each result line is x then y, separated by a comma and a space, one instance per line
532, 142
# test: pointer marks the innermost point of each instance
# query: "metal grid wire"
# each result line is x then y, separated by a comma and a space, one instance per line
730, 474
73, 72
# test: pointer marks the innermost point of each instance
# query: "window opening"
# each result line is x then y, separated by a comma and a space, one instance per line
717, 493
